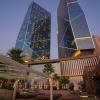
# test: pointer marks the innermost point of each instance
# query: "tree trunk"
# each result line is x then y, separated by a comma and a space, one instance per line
57, 85
51, 88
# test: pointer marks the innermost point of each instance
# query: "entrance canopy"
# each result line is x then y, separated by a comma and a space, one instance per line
11, 69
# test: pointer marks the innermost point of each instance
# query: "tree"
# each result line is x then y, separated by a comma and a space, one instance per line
56, 78
49, 70
64, 80
15, 54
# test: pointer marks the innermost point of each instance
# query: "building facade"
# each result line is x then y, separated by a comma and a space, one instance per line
73, 31
74, 67
34, 35
92, 79
97, 45
38, 66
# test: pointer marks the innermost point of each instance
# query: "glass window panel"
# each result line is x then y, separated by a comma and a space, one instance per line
19, 45
35, 30
68, 1
74, 10
80, 27
68, 38
85, 43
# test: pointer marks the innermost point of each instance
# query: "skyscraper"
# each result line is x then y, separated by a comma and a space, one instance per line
34, 35
73, 31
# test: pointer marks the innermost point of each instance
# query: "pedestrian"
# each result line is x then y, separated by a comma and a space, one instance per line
15, 86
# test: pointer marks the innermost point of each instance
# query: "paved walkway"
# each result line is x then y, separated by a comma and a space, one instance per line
63, 93
65, 96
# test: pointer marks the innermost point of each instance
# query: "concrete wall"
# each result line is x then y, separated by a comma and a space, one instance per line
40, 67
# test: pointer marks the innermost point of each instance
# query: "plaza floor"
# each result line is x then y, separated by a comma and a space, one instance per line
65, 95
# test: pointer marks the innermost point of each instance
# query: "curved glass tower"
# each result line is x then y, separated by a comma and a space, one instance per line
34, 35
73, 31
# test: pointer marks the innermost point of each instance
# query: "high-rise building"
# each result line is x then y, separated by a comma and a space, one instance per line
73, 32
34, 35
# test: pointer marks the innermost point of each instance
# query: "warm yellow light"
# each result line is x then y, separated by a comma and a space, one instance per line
26, 61
84, 96
77, 53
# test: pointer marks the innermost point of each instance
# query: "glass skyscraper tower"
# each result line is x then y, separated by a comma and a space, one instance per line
34, 35
73, 31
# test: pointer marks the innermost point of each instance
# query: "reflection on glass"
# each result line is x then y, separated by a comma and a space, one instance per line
80, 28
35, 31
74, 10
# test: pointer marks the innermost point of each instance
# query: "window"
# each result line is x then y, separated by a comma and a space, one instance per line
85, 43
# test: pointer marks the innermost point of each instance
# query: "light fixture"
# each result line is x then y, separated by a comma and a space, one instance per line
77, 53
84, 96
26, 61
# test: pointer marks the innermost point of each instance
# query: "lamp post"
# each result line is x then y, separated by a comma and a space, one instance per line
27, 71
27, 63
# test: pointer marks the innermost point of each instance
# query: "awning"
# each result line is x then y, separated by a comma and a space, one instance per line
14, 70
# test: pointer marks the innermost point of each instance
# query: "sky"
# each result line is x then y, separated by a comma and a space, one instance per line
12, 13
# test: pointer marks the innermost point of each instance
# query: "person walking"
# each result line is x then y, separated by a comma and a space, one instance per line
15, 86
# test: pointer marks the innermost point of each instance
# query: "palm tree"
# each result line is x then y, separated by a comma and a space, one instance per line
49, 70
64, 80
15, 54
56, 78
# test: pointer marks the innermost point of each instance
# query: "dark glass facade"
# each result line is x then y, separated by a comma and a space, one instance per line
34, 35
73, 31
